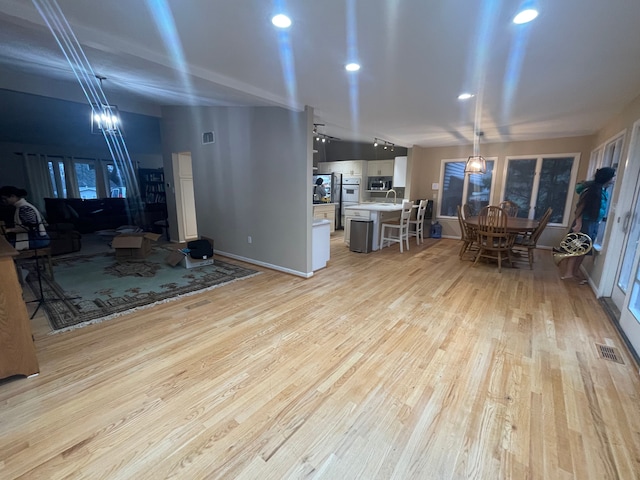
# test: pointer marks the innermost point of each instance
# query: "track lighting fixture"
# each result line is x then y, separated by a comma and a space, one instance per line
322, 137
385, 145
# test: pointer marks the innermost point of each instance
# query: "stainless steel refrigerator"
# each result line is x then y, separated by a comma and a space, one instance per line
332, 182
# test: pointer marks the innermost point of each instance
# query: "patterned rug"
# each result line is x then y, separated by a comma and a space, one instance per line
92, 288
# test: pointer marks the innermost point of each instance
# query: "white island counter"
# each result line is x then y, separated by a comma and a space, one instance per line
378, 212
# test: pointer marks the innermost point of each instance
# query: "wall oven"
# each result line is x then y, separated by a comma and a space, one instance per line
350, 192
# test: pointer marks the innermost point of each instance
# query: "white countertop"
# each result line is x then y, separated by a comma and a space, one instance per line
376, 207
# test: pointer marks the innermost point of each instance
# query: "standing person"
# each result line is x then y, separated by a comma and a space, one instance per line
590, 211
319, 191
29, 230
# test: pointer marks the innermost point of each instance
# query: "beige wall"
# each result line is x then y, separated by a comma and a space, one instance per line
426, 165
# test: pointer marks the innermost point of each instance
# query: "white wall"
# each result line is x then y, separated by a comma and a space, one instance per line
253, 181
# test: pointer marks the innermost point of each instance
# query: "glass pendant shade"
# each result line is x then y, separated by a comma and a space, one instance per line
476, 164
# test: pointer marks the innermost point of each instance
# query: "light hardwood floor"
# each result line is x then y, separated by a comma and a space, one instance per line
381, 366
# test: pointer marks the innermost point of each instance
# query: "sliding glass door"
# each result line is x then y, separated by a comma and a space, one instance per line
625, 293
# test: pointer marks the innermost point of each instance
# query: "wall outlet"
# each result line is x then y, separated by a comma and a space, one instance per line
249, 239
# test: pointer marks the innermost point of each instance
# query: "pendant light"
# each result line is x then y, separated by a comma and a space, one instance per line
104, 116
476, 162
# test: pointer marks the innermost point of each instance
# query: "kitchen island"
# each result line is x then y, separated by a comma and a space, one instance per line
377, 212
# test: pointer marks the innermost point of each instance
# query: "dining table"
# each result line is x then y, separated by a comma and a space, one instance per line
514, 224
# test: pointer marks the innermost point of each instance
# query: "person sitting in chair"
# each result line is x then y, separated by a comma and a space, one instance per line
29, 230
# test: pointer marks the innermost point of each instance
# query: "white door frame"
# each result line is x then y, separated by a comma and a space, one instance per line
623, 206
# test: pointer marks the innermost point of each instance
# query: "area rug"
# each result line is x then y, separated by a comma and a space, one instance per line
92, 288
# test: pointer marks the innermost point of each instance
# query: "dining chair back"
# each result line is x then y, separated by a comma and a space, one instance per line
467, 211
416, 227
529, 241
493, 239
510, 207
399, 231
468, 233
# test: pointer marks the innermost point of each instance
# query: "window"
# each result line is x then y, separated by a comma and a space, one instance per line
116, 187
86, 178
55, 166
538, 183
605, 156
474, 188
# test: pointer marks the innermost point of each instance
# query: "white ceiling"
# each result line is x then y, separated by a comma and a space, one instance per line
565, 74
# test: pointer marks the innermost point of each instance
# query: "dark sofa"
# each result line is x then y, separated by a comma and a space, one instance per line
88, 215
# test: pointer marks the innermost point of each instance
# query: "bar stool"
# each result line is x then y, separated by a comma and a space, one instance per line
418, 223
398, 232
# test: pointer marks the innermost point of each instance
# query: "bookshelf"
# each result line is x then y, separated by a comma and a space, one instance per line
152, 192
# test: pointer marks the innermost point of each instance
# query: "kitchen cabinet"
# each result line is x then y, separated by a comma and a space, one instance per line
379, 213
400, 172
325, 167
350, 214
345, 167
326, 211
320, 244
17, 350
380, 168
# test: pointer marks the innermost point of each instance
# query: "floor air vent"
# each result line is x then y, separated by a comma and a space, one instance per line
609, 353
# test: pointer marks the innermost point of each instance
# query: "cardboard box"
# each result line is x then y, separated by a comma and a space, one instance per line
133, 246
188, 262
178, 256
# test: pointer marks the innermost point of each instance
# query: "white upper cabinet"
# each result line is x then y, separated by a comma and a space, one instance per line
345, 167
352, 167
325, 167
380, 168
400, 172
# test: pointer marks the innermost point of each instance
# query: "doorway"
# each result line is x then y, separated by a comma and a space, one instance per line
625, 285
185, 197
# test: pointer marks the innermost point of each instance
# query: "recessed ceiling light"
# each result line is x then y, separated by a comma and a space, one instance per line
352, 67
525, 16
281, 21
465, 96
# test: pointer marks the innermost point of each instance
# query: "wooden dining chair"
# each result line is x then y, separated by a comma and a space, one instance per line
493, 239
467, 234
418, 224
398, 232
528, 242
510, 207
467, 211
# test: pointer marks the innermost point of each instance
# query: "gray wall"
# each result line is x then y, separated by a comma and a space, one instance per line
253, 181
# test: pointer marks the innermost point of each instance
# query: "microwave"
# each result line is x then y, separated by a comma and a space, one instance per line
379, 184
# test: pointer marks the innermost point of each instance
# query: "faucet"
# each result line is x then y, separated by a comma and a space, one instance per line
395, 195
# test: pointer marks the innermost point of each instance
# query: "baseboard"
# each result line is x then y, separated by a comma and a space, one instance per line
264, 264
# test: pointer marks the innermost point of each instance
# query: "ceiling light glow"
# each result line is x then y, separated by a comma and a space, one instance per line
352, 67
525, 16
281, 21
465, 96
